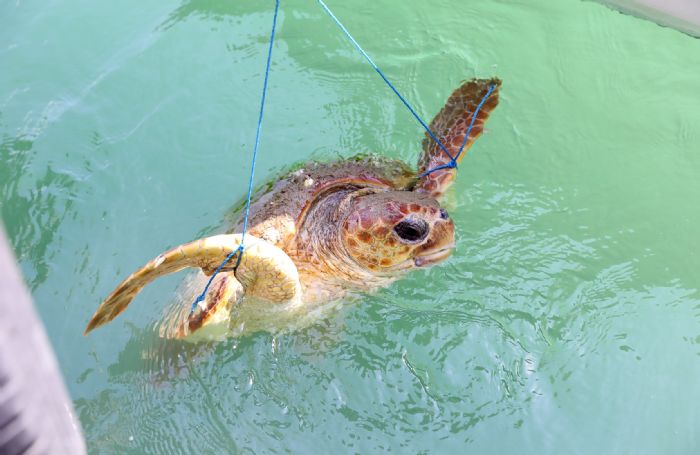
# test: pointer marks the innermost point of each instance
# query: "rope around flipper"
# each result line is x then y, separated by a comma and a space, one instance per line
453, 159
391, 86
451, 164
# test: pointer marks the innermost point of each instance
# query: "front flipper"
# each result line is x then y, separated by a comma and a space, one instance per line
265, 271
450, 126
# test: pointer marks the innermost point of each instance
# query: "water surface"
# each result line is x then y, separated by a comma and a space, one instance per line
567, 321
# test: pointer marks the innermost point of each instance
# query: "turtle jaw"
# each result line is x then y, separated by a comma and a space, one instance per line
432, 258
437, 248
426, 259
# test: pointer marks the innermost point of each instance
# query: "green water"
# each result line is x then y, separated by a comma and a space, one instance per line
566, 322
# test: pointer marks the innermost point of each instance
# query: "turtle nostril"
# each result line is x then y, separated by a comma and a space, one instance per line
412, 230
443, 214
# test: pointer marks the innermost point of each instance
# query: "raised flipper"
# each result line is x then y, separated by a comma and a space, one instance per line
450, 125
265, 272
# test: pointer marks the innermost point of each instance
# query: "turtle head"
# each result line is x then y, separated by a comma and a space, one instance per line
397, 230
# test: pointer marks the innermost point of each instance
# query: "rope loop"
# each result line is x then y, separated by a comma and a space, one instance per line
202, 296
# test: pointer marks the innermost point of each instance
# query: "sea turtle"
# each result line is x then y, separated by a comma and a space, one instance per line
325, 229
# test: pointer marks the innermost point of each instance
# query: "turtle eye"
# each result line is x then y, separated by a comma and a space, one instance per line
412, 230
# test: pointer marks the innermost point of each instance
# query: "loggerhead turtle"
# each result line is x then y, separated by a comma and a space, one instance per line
326, 229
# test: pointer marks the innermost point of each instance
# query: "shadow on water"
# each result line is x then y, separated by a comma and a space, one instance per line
148, 380
32, 214
156, 385
213, 10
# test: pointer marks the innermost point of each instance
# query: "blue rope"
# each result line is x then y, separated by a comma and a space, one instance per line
453, 161
241, 248
471, 125
376, 68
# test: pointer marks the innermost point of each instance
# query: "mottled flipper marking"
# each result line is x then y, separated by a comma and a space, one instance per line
450, 125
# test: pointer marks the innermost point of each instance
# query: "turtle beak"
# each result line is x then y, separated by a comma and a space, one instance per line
426, 260
439, 245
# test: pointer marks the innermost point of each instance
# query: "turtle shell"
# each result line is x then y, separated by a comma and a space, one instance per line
280, 208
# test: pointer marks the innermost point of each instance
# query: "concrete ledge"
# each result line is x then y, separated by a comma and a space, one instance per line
36, 414
683, 15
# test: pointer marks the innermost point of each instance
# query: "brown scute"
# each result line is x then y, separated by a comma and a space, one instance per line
381, 232
364, 236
